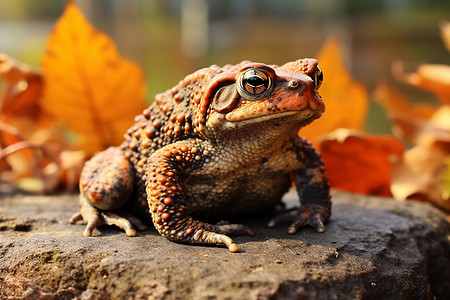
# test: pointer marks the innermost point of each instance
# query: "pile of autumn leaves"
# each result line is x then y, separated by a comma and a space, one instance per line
86, 89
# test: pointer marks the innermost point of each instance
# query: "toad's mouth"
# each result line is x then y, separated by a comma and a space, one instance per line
306, 115
306, 104
259, 115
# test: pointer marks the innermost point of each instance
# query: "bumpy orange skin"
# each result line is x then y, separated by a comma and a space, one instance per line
210, 148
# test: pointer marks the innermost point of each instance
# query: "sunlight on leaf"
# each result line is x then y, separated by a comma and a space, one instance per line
346, 100
88, 84
358, 162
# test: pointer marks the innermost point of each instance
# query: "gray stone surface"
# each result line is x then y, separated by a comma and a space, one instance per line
373, 249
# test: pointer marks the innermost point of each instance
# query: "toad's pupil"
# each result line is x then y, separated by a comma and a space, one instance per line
256, 85
256, 80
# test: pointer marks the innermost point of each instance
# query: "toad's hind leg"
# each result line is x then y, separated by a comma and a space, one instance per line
168, 201
106, 183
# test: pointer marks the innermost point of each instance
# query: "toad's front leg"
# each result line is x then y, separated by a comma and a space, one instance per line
167, 197
313, 189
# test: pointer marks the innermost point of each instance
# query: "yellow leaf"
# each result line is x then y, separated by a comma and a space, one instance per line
345, 99
88, 85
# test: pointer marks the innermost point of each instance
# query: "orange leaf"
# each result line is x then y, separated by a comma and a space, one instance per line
88, 84
360, 163
432, 78
345, 99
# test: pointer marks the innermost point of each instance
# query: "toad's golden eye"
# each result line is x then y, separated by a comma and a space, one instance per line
254, 83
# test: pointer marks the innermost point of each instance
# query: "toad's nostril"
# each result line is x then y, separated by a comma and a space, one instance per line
293, 84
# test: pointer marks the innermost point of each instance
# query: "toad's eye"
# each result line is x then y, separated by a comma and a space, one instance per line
318, 78
254, 83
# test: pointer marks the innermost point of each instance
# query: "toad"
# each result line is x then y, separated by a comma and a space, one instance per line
222, 143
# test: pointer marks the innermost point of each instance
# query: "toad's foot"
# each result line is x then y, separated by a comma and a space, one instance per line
313, 215
195, 232
232, 229
213, 238
215, 234
95, 217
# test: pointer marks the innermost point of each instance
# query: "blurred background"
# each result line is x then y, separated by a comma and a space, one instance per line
172, 38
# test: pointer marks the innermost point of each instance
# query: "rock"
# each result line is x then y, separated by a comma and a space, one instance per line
373, 249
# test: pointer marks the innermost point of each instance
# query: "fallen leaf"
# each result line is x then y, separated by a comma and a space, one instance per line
88, 84
432, 78
346, 100
422, 172
22, 122
421, 175
359, 162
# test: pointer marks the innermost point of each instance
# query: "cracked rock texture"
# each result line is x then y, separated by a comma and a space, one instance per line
373, 249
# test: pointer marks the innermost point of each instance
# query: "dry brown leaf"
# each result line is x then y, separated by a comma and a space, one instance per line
359, 162
421, 175
432, 78
423, 171
88, 84
21, 119
346, 100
